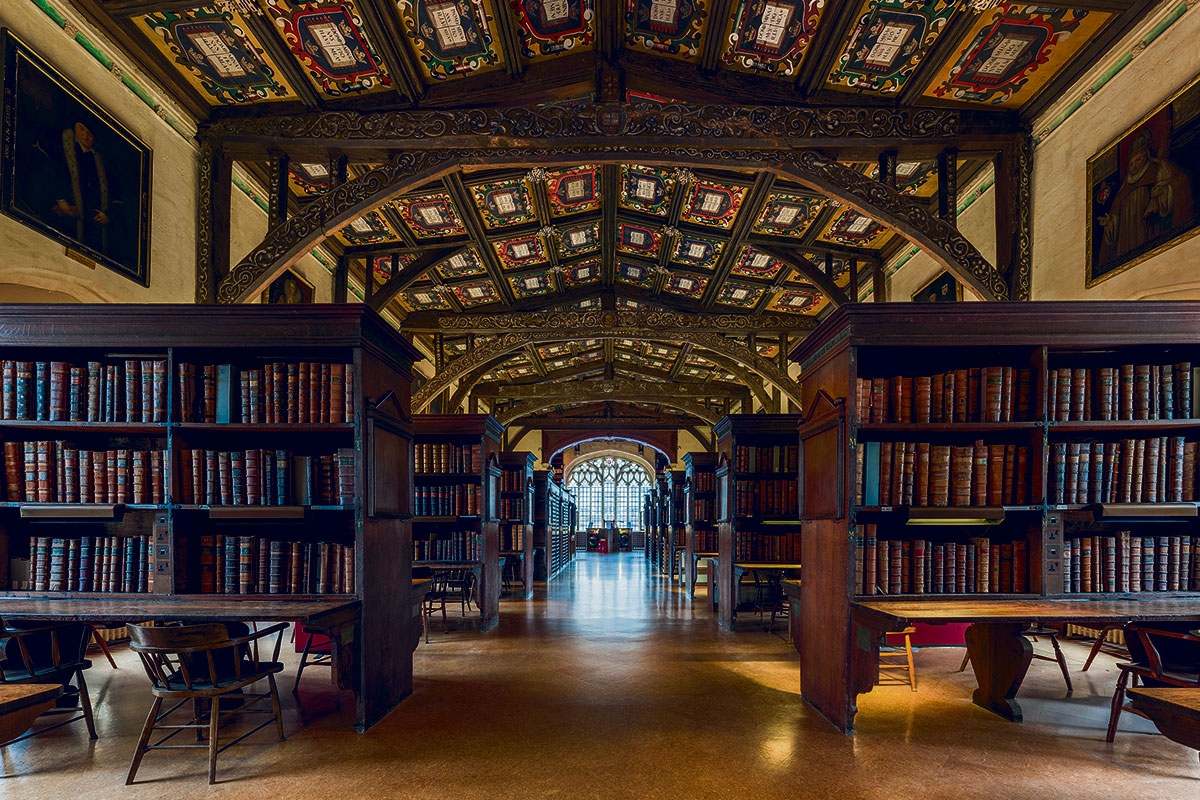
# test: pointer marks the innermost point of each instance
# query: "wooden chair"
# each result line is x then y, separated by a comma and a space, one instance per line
36, 652
1162, 655
1102, 645
897, 657
317, 652
202, 664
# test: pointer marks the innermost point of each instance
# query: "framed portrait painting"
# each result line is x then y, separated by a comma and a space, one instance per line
69, 169
1144, 188
945, 288
288, 288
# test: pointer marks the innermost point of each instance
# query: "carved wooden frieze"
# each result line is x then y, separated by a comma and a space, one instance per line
540, 397
471, 366
408, 170
447, 128
678, 322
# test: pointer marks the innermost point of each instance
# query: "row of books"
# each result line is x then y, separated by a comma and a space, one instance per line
461, 500
773, 458
294, 392
774, 497
129, 390
704, 482
248, 564
920, 566
454, 546
56, 472
1123, 562
445, 458
88, 564
974, 394
1127, 392
266, 478
512, 507
704, 509
512, 537
1153, 470
758, 547
512, 480
926, 474
705, 541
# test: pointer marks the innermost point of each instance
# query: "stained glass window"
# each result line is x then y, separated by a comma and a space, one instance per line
609, 489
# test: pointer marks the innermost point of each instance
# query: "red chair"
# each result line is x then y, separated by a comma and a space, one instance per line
315, 649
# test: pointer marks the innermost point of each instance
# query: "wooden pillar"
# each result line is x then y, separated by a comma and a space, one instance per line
278, 200
947, 171
212, 224
1014, 217
887, 168
341, 279
337, 169
853, 279
879, 284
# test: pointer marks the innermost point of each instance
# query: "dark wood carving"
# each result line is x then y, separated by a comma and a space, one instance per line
212, 220
285, 244
750, 126
680, 323
948, 186
1021, 284
483, 356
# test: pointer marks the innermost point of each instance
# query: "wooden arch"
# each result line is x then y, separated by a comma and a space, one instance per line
409, 170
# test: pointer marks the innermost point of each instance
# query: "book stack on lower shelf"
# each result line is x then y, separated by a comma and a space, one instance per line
970, 394
57, 472
273, 393
1123, 562
124, 390
266, 477
449, 546
1126, 392
925, 566
247, 564
89, 564
1147, 470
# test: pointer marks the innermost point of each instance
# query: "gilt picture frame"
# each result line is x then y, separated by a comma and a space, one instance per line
1144, 188
69, 169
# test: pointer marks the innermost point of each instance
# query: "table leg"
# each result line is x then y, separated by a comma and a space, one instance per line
1000, 656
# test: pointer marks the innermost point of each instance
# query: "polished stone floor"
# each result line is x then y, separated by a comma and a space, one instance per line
612, 683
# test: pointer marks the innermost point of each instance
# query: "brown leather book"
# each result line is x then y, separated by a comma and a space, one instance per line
960, 474
937, 398
922, 398
1141, 391
907, 475
1153, 448
979, 474
939, 475
993, 393
879, 399
974, 393
995, 475
862, 399
921, 475
962, 395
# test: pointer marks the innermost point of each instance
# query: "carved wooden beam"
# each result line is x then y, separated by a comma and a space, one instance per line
286, 243
468, 369
407, 276
598, 324
212, 220
751, 127
621, 391
615, 389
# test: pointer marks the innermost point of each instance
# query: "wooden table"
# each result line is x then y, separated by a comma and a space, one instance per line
21, 704
1000, 655
1174, 711
775, 570
474, 567
710, 578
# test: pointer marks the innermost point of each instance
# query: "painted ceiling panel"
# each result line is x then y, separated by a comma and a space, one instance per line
521, 252
550, 27
504, 203
740, 295
451, 38
668, 27
381, 266
635, 274
329, 42
686, 285
646, 189
573, 191
476, 293
1012, 51
698, 252
308, 180
531, 285
461, 265
638, 240
580, 274
370, 228
799, 301
772, 37
754, 263
218, 54
787, 214
888, 43
578, 240
428, 300
431, 216
712, 205
855, 230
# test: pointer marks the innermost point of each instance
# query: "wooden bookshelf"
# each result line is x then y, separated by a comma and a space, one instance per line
757, 513
456, 500
516, 513
990, 446
175, 457
700, 508
553, 524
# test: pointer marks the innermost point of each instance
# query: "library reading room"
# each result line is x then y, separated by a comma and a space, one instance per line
616, 399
